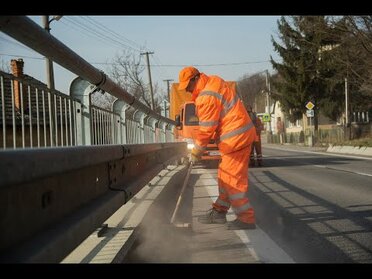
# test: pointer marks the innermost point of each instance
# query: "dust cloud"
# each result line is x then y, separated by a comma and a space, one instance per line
158, 240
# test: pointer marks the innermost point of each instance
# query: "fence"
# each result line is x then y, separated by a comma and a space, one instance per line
32, 116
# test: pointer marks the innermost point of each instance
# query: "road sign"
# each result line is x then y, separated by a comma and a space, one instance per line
310, 113
310, 105
266, 117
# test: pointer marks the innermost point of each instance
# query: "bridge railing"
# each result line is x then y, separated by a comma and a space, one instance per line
31, 115
65, 165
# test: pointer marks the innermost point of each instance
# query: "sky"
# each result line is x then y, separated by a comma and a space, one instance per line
228, 46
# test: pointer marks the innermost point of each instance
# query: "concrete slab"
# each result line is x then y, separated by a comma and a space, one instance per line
214, 243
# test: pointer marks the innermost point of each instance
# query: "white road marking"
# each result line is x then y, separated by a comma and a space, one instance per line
355, 172
259, 244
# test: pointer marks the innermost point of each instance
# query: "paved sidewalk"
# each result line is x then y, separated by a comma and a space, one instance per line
214, 243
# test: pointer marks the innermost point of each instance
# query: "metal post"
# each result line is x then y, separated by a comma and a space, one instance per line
50, 82
311, 132
346, 104
149, 73
168, 90
268, 93
165, 108
82, 90
49, 62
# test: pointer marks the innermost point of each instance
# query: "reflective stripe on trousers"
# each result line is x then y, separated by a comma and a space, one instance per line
233, 185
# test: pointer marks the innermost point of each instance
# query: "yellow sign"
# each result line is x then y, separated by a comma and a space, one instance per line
310, 105
266, 117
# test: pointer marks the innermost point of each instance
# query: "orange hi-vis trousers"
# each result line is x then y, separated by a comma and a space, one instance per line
233, 185
256, 146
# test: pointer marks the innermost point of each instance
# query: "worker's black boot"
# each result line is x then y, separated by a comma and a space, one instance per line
213, 216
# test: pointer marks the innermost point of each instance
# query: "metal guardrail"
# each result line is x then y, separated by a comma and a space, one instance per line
51, 199
29, 33
31, 116
67, 122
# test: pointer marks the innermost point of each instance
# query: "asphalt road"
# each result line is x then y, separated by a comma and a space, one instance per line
315, 206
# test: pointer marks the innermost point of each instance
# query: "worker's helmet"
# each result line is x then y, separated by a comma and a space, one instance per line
185, 75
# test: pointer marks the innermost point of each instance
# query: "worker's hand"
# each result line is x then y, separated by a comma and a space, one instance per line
196, 155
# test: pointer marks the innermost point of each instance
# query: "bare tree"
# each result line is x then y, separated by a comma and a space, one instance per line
250, 89
4, 66
355, 52
127, 72
102, 99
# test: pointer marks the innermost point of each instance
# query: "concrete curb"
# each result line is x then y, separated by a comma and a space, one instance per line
122, 228
367, 151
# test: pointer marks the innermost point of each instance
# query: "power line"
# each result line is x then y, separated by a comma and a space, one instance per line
73, 26
157, 65
22, 56
119, 36
99, 34
198, 65
15, 43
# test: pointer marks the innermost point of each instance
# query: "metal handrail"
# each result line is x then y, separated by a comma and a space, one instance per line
29, 33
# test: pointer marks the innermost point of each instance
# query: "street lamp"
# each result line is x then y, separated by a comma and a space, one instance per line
49, 63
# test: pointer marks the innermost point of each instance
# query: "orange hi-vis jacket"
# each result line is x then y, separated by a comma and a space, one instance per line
221, 111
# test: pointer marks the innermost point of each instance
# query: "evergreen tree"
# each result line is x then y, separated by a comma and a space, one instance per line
354, 58
305, 70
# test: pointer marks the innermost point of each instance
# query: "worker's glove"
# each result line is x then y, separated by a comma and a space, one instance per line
196, 155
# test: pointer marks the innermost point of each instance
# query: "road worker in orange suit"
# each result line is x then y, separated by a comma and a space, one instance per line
220, 111
257, 145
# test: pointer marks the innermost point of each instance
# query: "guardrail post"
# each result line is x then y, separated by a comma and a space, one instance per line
139, 117
169, 135
81, 90
152, 124
120, 107
163, 126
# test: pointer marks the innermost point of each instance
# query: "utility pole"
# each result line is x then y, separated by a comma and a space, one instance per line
347, 133
50, 83
168, 89
149, 73
49, 63
346, 104
268, 93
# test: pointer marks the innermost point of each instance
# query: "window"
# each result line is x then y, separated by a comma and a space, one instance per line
190, 116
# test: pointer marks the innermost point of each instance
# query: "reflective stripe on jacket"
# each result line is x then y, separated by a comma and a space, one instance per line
220, 110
